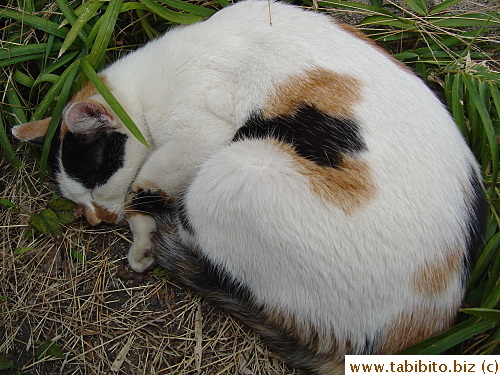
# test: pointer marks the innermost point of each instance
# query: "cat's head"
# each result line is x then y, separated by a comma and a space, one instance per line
93, 156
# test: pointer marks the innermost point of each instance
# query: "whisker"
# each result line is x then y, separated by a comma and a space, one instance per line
132, 211
142, 200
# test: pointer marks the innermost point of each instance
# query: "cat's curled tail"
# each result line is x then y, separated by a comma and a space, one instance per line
188, 267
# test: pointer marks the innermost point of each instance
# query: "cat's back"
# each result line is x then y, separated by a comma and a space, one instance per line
335, 158
375, 189
251, 47
255, 50
260, 55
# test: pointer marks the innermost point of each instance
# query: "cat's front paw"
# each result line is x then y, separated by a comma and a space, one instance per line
140, 258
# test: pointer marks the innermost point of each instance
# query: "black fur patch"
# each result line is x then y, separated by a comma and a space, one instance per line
54, 153
182, 216
195, 271
92, 160
38, 141
190, 267
153, 203
478, 212
316, 136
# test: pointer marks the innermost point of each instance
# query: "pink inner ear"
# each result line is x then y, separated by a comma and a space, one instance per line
88, 116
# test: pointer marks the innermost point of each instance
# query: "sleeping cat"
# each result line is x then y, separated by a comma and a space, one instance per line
298, 176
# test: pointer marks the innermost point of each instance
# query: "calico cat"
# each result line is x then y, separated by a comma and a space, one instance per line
298, 176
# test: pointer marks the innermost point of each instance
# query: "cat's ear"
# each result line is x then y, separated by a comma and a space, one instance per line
33, 132
87, 117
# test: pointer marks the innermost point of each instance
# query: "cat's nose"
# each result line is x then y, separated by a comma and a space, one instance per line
96, 214
106, 215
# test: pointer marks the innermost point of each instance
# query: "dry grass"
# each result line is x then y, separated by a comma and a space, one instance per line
103, 317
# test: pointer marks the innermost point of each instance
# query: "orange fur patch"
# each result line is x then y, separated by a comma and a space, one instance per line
304, 333
97, 214
350, 186
353, 30
147, 185
87, 91
91, 215
434, 277
410, 328
33, 130
326, 347
328, 92
105, 215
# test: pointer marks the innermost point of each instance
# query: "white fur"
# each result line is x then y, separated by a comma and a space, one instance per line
140, 256
190, 90
348, 274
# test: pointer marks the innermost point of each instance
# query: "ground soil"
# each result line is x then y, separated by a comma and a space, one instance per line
101, 317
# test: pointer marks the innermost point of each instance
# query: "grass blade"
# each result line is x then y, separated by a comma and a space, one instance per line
169, 15
350, 5
20, 59
466, 20
495, 95
457, 337
106, 28
41, 51
457, 103
47, 100
79, 10
67, 11
63, 61
489, 131
448, 82
111, 100
23, 79
34, 21
460, 38
87, 13
382, 20
23, 50
188, 7
26, 5
419, 6
148, 29
6, 146
132, 6
484, 260
405, 55
491, 346
16, 107
51, 95
443, 6
50, 44
475, 125
223, 3
47, 77
459, 333
67, 79
491, 295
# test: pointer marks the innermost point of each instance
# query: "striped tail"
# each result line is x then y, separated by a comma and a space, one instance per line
191, 269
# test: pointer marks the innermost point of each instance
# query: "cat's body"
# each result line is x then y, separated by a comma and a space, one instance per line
301, 178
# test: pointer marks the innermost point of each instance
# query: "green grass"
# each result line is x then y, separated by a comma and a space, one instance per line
50, 48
